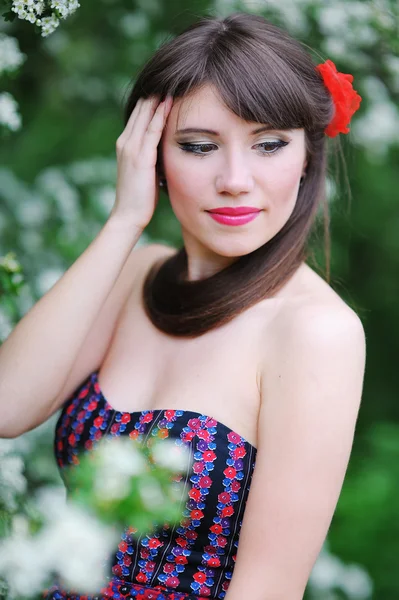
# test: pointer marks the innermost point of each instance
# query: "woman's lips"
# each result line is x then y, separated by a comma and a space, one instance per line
234, 220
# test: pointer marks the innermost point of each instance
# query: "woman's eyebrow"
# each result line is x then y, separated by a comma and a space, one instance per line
212, 132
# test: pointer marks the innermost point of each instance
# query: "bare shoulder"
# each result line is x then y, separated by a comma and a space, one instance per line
314, 311
315, 342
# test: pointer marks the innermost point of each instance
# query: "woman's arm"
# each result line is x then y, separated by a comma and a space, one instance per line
36, 358
311, 391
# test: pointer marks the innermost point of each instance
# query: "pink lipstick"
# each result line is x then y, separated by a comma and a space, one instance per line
239, 215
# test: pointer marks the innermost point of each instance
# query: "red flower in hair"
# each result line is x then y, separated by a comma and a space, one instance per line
346, 99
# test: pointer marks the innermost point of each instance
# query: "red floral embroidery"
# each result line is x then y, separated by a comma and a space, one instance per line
159, 566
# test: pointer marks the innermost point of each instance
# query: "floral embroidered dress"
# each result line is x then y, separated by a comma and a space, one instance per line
194, 560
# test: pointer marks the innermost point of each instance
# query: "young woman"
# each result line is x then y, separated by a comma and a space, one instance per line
231, 344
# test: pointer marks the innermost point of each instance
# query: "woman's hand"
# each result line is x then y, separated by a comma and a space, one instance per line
137, 190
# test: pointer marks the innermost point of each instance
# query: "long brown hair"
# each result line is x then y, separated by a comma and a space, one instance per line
263, 75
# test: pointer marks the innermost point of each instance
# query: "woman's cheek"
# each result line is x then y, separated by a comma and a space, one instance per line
285, 180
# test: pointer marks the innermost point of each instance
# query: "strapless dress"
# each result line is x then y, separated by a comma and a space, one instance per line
194, 559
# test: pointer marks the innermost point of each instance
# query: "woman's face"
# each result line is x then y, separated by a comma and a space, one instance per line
230, 165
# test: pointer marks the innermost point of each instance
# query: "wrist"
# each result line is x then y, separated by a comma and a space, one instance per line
123, 223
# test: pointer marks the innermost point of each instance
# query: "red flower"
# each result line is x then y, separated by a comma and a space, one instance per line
117, 570
235, 486
233, 437
181, 542
147, 418
227, 511
204, 435
98, 421
239, 453
209, 456
172, 581
216, 528
168, 568
205, 482
230, 472
214, 562
195, 494
198, 467
221, 541
224, 497
194, 424
346, 99
197, 514
83, 392
204, 591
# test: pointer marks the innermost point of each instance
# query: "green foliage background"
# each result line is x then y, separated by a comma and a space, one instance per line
56, 189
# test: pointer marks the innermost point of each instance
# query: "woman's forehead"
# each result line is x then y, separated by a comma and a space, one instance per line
202, 107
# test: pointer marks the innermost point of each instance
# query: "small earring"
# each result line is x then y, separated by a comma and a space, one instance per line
162, 182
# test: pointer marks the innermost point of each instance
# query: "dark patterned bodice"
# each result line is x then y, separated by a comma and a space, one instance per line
195, 558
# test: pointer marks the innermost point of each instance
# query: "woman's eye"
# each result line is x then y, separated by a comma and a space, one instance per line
195, 148
272, 147
203, 149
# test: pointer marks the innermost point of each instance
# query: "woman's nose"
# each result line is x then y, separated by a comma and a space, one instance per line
235, 176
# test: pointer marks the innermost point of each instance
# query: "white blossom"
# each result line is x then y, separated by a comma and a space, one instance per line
77, 545
134, 23
31, 10
49, 24
54, 183
72, 543
10, 55
32, 211
167, 454
378, 128
329, 573
151, 494
9, 116
12, 479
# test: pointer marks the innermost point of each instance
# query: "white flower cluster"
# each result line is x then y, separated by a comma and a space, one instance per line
12, 479
330, 573
9, 115
72, 544
10, 55
119, 460
31, 10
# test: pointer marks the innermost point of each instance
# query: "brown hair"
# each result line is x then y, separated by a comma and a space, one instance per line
263, 75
